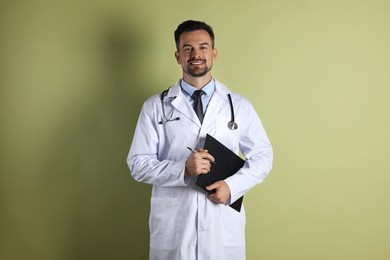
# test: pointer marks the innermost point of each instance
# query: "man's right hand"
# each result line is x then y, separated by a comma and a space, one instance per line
198, 163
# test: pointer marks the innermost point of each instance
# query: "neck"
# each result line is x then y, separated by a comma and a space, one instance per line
197, 82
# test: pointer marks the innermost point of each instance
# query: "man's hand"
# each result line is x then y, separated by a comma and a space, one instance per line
221, 194
198, 163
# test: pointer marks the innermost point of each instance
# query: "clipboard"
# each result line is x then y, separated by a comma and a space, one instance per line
227, 164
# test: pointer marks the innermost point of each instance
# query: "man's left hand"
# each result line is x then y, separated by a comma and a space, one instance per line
221, 194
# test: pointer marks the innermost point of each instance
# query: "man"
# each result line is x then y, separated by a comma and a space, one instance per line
185, 222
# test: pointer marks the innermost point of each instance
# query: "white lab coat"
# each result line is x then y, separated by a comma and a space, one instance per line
184, 224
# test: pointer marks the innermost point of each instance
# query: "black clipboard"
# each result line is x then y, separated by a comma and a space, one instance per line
227, 164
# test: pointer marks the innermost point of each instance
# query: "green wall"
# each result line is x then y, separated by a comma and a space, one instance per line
73, 75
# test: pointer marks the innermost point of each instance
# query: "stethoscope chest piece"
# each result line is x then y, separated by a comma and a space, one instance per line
232, 125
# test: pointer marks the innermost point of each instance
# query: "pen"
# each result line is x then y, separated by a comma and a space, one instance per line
195, 151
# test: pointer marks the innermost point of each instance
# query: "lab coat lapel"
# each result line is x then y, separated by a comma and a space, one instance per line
181, 104
218, 102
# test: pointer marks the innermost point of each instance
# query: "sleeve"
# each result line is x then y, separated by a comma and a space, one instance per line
143, 158
257, 149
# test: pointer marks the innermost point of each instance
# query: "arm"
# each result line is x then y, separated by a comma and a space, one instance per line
256, 147
148, 160
144, 162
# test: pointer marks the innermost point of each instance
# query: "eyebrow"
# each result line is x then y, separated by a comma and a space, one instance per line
189, 45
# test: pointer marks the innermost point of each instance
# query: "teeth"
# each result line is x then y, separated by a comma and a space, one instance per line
196, 62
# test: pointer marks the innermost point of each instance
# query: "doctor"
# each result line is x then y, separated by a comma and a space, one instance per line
185, 222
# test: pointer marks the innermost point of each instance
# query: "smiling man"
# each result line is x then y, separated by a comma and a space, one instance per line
196, 54
187, 223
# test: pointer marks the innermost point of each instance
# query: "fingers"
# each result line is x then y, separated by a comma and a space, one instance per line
201, 168
218, 197
198, 163
205, 154
213, 186
221, 194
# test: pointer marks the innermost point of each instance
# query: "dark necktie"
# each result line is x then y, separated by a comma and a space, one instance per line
198, 107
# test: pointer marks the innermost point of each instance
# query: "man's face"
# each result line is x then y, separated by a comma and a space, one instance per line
196, 54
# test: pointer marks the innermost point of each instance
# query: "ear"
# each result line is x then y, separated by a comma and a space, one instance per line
177, 56
215, 54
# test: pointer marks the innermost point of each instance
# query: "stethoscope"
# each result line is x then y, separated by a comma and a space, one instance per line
165, 119
232, 125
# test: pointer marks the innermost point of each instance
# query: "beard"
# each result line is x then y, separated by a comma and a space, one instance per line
197, 72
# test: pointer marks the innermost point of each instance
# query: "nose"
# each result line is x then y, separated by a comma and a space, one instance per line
195, 53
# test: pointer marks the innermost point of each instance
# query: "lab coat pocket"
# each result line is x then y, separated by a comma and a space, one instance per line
163, 223
233, 229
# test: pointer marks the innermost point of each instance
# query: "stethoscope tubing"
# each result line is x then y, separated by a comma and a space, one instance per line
232, 125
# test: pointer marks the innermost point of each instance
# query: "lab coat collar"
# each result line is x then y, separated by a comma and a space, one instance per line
175, 90
181, 104
217, 103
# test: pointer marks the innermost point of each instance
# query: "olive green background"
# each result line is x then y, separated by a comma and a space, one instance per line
73, 77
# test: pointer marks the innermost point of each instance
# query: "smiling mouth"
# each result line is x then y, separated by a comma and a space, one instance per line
196, 62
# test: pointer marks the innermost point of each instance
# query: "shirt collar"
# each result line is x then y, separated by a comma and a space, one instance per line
189, 89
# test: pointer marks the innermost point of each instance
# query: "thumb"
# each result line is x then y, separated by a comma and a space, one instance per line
212, 186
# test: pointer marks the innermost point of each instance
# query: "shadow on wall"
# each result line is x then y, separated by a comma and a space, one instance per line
97, 210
